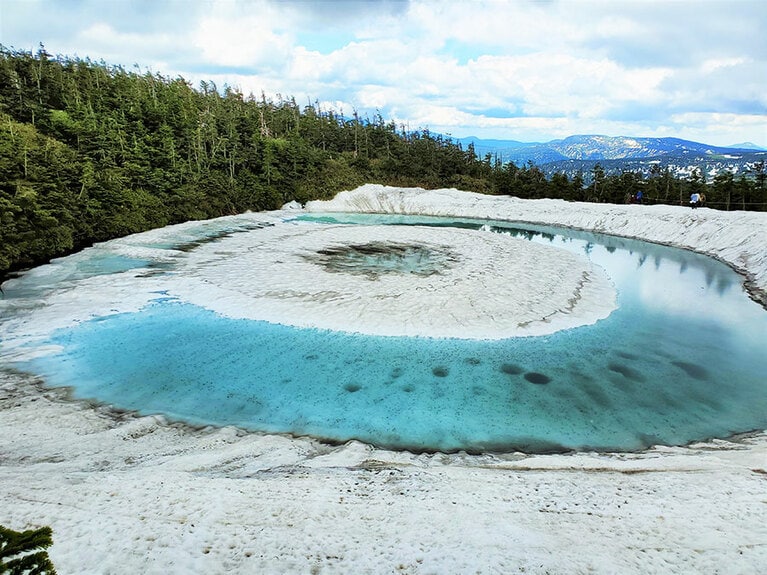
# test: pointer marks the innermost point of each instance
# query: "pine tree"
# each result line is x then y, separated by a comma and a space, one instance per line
21, 552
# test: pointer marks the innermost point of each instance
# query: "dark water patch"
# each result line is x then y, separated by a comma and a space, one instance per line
693, 370
478, 390
352, 387
215, 236
641, 396
511, 369
577, 375
666, 403
396, 372
151, 273
626, 371
472, 361
473, 447
596, 394
408, 388
576, 401
376, 258
704, 400
663, 354
678, 398
537, 378
440, 371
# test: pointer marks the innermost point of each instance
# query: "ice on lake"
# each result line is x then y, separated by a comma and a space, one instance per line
427, 334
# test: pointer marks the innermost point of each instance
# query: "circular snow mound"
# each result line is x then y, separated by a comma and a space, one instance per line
398, 280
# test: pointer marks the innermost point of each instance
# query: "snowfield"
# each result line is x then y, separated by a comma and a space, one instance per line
128, 494
737, 238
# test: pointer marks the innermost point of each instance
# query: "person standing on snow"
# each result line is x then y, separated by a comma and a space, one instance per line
695, 200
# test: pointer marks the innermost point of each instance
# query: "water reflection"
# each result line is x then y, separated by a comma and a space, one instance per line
683, 358
678, 282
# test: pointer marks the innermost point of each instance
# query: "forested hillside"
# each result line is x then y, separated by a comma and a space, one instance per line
90, 151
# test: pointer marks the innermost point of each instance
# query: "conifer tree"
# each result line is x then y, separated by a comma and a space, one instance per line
22, 552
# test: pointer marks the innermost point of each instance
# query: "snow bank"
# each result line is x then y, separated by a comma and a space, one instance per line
473, 285
737, 238
129, 494
136, 495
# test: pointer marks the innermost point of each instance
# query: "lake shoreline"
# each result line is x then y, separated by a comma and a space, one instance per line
200, 499
129, 493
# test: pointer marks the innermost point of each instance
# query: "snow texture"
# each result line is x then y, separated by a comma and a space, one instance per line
483, 285
127, 494
736, 238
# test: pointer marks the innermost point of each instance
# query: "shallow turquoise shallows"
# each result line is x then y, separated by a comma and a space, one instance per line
683, 358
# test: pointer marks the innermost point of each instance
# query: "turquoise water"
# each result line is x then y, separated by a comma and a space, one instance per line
683, 358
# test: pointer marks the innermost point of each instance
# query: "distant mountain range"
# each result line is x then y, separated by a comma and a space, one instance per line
617, 154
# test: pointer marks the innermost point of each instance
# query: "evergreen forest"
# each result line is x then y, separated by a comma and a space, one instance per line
91, 151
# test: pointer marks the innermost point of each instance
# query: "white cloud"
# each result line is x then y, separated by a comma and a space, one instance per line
309, 65
715, 64
729, 126
520, 70
238, 35
373, 97
146, 49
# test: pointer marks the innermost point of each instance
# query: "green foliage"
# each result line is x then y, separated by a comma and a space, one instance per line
90, 152
21, 553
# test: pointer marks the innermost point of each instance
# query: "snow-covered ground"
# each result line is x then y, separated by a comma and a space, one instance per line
737, 238
486, 285
129, 494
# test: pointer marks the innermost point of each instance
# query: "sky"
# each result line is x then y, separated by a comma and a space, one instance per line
531, 71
